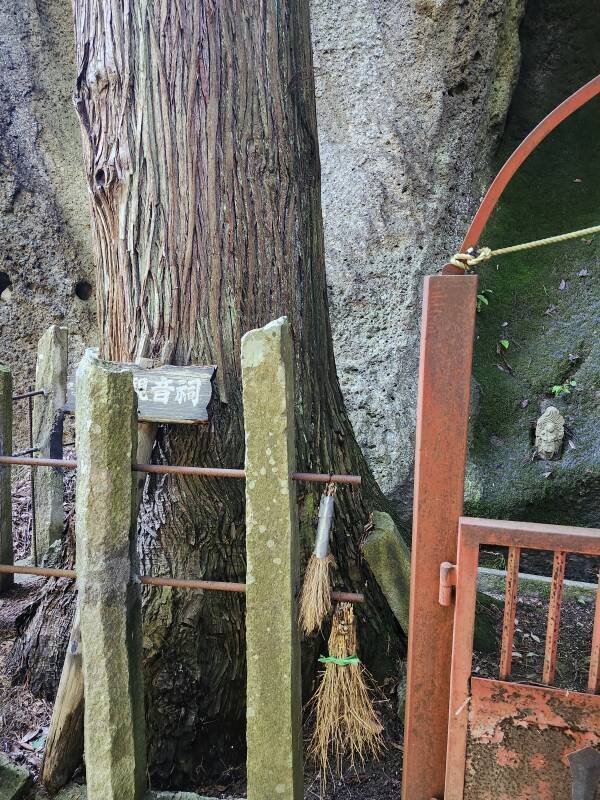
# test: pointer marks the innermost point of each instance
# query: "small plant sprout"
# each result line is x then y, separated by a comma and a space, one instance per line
505, 343
563, 388
482, 299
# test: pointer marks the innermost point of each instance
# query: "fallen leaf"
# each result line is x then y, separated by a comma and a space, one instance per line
524, 403
583, 273
562, 285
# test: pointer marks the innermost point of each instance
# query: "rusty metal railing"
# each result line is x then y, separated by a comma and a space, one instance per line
168, 469
175, 583
472, 534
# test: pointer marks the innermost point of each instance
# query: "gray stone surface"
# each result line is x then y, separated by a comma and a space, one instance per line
50, 377
13, 779
274, 700
6, 543
388, 557
109, 599
410, 97
44, 208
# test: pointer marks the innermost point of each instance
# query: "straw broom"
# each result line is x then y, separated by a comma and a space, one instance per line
346, 724
315, 600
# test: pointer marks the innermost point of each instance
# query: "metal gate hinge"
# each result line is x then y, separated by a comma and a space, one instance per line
447, 581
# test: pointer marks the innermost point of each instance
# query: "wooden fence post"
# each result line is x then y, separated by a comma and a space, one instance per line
442, 416
274, 701
50, 377
109, 595
6, 542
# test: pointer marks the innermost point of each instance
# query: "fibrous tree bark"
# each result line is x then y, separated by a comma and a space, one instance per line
201, 152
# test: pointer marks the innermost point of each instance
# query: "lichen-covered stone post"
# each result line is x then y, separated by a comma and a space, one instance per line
6, 543
109, 596
51, 378
273, 647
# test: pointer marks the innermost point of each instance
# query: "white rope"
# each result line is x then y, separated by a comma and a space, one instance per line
475, 256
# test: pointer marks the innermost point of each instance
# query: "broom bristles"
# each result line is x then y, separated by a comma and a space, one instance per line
346, 724
315, 600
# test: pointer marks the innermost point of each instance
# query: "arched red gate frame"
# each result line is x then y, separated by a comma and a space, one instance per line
447, 333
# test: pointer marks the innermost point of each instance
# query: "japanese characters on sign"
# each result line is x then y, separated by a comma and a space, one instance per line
166, 394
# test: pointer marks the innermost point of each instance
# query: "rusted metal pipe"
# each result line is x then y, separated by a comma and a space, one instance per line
207, 472
45, 572
25, 395
38, 462
175, 583
166, 469
179, 583
26, 452
315, 477
32, 479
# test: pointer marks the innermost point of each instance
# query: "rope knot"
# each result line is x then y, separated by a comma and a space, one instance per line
471, 258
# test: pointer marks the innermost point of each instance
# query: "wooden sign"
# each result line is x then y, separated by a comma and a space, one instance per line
179, 395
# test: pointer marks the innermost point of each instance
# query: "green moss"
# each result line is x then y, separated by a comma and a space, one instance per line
552, 327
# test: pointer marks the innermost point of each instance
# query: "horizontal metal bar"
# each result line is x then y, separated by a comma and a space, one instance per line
24, 461
25, 395
166, 469
45, 572
348, 597
176, 583
315, 477
207, 472
26, 452
531, 535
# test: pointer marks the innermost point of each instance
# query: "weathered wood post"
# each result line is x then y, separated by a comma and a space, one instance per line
51, 378
6, 542
272, 544
109, 596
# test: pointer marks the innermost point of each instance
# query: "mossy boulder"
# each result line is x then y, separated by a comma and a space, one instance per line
14, 780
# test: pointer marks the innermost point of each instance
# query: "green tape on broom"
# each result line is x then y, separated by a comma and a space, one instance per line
341, 662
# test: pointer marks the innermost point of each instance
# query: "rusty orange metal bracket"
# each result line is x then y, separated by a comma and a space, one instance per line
447, 583
521, 154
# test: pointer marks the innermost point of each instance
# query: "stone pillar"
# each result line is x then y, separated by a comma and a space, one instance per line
50, 377
109, 596
273, 647
6, 542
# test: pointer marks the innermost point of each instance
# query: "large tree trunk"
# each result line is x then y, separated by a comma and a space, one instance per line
201, 152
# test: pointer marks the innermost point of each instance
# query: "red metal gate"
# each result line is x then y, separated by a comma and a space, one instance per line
442, 415
509, 740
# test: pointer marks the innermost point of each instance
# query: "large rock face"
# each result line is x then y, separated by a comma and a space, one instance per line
411, 98
546, 302
45, 247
